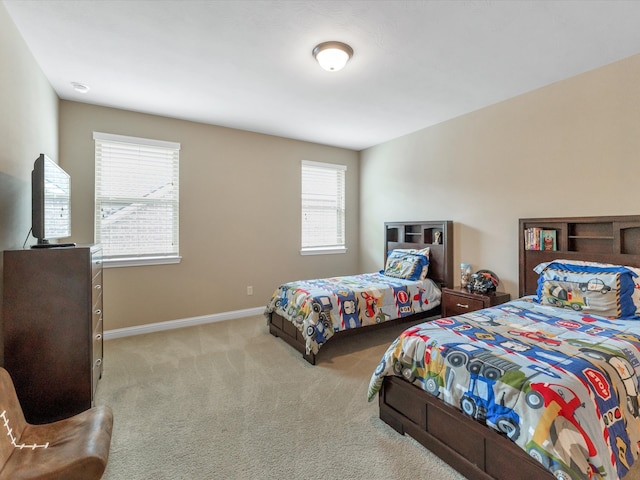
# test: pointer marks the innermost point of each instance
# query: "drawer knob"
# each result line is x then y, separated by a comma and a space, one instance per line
98, 287
461, 305
98, 362
98, 336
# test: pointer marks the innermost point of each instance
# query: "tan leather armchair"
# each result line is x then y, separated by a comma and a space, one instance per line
76, 448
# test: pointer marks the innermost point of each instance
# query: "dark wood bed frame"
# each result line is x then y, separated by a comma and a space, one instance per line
437, 235
470, 447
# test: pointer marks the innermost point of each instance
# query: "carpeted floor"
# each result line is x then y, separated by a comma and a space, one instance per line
229, 401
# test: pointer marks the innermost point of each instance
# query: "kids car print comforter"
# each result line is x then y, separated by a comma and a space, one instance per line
319, 308
561, 384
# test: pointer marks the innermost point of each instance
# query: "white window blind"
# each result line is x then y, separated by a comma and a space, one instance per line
323, 208
136, 198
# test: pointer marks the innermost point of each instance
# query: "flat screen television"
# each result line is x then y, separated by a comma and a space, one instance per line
50, 202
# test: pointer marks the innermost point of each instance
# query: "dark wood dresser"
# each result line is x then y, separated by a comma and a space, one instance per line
53, 329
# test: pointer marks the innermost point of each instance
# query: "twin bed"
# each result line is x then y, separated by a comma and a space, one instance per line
544, 386
557, 380
418, 262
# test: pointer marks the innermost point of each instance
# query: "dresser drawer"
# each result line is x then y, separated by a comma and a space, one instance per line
97, 343
96, 313
96, 261
96, 287
96, 356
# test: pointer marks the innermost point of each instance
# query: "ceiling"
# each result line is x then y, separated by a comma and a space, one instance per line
248, 64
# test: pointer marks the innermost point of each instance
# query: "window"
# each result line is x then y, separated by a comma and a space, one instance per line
323, 211
136, 200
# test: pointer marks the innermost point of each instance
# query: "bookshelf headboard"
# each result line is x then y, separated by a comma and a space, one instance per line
437, 235
614, 239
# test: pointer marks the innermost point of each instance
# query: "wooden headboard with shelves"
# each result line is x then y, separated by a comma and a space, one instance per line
614, 239
437, 235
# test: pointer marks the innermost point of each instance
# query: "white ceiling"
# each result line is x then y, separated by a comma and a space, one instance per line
248, 64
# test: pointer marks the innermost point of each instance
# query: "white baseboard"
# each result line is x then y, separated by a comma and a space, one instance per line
181, 323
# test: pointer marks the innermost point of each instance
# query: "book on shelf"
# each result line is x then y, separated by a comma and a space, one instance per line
532, 238
536, 238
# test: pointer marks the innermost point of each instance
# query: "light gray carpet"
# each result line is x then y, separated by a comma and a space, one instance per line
230, 401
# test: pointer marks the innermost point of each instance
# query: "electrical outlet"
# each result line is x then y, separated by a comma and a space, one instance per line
249, 290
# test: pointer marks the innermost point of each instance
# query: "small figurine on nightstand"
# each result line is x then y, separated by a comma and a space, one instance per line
483, 281
437, 238
465, 275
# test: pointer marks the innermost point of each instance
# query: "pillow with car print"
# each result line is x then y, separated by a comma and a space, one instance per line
410, 264
598, 288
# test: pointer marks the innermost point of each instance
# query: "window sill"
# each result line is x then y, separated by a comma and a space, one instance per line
140, 261
323, 251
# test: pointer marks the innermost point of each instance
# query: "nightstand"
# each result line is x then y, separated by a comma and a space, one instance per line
456, 301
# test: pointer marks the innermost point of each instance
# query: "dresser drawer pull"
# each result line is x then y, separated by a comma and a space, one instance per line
98, 311
461, 305
98, 362
98, 336
98, 287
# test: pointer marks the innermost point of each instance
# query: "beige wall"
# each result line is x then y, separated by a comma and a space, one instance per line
28, 127
239, 216
569, 149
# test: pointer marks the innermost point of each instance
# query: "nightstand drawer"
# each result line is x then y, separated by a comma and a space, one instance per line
456, 305
456, 301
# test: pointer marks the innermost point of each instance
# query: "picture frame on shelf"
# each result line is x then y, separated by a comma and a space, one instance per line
548, 240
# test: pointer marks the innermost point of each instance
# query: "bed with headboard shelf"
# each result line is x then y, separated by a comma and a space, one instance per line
285, 322
464, 440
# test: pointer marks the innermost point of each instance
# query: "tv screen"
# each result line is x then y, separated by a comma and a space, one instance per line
51, 201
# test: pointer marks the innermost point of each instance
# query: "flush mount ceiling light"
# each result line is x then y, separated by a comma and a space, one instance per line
332, 56
80, 87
